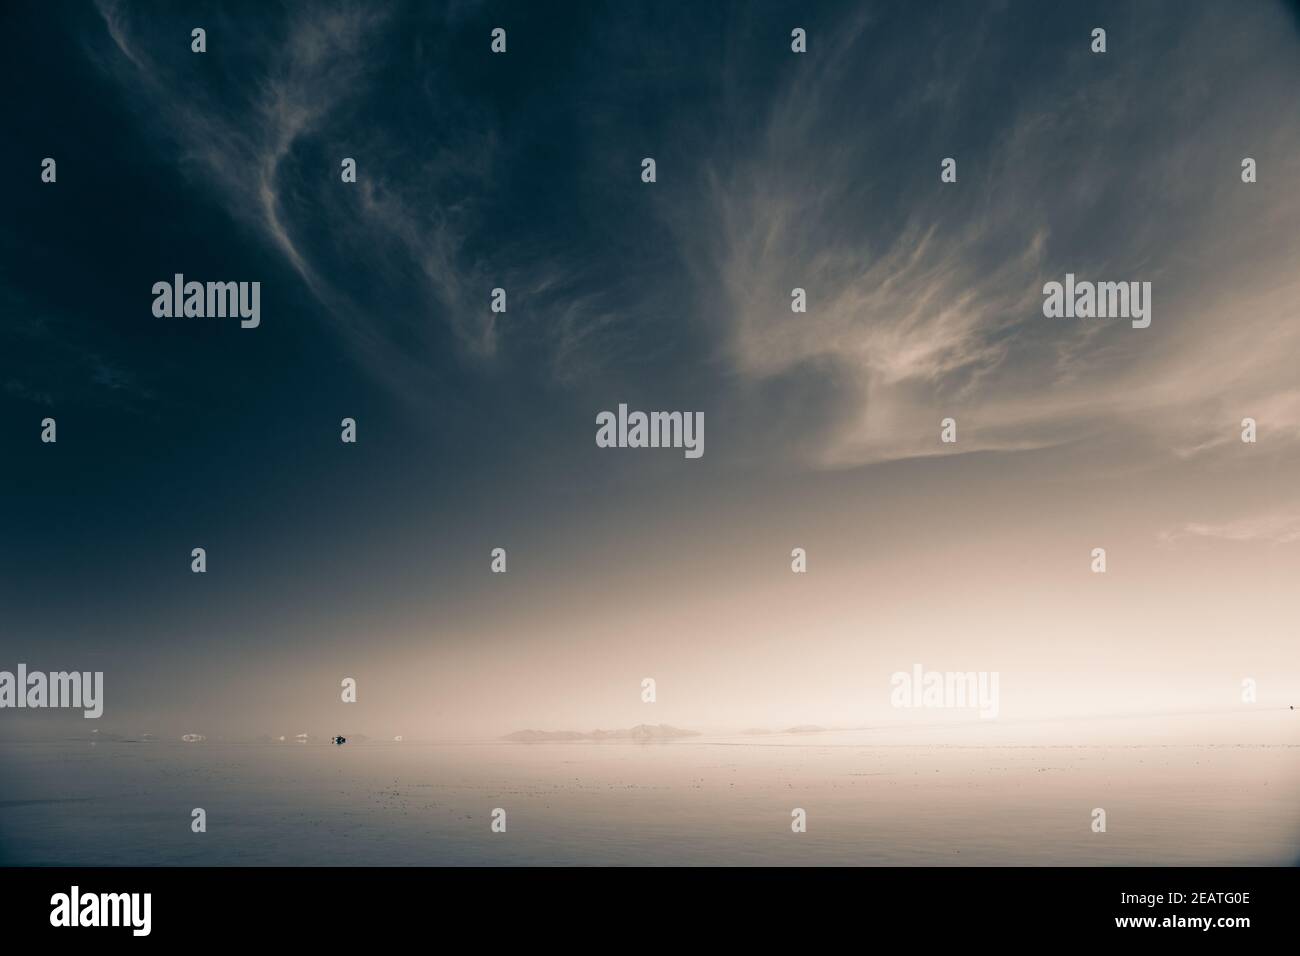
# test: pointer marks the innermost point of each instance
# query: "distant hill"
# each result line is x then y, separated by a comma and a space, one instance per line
797, 729
639, 732
533, 736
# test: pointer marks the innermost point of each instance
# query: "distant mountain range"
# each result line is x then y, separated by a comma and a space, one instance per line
799, 729
639, 732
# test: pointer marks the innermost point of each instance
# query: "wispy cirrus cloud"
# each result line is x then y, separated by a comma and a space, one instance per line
399, 260
925, 298
1276, 528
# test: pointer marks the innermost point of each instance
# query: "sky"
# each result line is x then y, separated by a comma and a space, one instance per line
476, 430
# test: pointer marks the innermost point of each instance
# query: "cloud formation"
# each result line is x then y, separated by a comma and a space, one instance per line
925, 298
